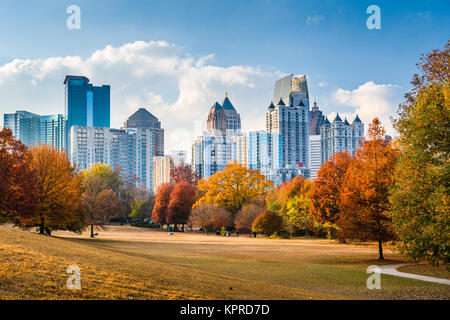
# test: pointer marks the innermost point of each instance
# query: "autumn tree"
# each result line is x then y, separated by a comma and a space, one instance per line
184, 173
365, 191
326, 190
58, 186
159, 214
182, 198
18, 189
421, 194
101, 187
233, 187
245, 217
296, 208
221, 218
268, 223
201, 216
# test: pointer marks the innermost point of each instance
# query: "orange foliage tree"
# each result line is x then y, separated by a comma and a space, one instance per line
182, 198
364, 200
268, 223
233, 187
159, 213
326, 190
59, 189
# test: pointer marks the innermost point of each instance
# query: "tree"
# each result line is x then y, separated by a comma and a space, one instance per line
184, 173
58, 186
296, 210
326, 190
420, 197
201, 216
159, 214
245, 217
268, 223
233, 187
18, 189
364, 199
181, 200
100, 202
222, 218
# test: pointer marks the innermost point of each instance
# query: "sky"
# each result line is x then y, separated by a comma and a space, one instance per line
177, 58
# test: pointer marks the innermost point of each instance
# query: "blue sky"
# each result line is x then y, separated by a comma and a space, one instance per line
326, 40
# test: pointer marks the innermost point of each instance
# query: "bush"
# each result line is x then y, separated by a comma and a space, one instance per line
268, 223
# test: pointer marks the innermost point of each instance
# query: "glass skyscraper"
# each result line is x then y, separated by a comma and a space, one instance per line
85, 104
31, 128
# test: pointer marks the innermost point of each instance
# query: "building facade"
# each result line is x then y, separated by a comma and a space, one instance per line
163, 166
340, 136
315, 155
31, 128
316, 119
86, 105
131, 150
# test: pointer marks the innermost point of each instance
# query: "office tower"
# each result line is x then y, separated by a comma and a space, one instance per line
131, 150
25, 126
32, 128
315, 155
217, 120
239, 149
292, 122
316, 119
163, 166
264, 151
291, 90
145, 121
211, 154
340, 136
86, 105
232, 117
53, 131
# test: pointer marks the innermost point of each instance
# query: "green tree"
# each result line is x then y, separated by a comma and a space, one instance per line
420, 197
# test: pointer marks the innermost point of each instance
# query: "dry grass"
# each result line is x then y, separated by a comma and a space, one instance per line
133, 263
427, 270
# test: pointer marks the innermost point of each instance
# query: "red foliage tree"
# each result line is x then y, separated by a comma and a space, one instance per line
18, 190
181, 201
184, 173
159, 214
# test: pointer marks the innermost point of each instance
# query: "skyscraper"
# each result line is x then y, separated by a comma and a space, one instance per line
316, 119
315, 155
31, 128
131, 149
340, 136
85, 104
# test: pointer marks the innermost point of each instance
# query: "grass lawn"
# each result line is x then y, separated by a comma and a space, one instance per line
134, 263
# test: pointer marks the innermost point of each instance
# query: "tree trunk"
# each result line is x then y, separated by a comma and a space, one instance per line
42, 226
380, 250
92, 230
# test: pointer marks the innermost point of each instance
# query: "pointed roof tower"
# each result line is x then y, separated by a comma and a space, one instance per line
227, 105
142, 118
326, 121
301, 104
337, 119
281, 103
357, 119
271, 106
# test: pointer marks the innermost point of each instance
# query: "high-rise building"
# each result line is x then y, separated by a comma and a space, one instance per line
316, 119
143, 119
86, 105
163, 166
217, 120
131, 150
25, 126
232, 116
340, 136
291, 90
264, 151
239, 149
292, 122
315, 155
31, 128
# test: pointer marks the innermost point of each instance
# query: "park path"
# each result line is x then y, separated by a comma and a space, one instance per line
392, 270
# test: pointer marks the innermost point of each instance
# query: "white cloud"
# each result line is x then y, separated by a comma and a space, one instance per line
371, 100
315, 19
174, 86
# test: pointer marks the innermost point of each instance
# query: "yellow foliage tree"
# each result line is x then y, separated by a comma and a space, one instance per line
233, 187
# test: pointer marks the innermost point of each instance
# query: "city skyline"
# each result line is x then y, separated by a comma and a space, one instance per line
154, 63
